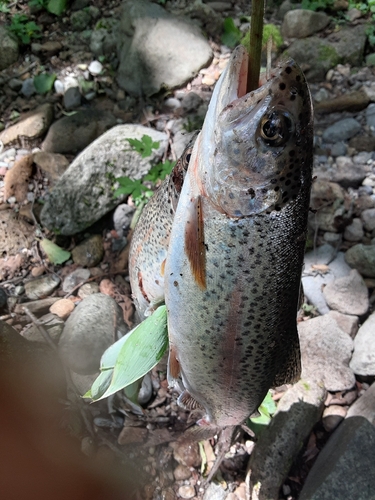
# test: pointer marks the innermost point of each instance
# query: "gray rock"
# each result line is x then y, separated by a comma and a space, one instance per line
332, 207
80, 20
313, 280
8, 48
297, 412
52, 165
342, 130
347, 174
333, 415
348, 295
122, 218
326, 351
214, 492
339, 149
15, 84
362, 258
344, 468
301, 23
318, 55
28, 89
180, 141
191, 101
363, 360
40, 288
31, 125
157, 49
37, 307
72, 98
90, 252
92, 327
364, 406
145, 391
71, 134
104, 40
370, 116
85, 192
88, 289
354, 232
52, 323
75, 278
347, 323
368, 218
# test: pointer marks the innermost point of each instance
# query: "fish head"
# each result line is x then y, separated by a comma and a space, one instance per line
256, 149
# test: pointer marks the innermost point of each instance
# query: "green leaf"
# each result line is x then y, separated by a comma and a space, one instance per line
159, 171
43, 83
132, 356
266, 410
232, 35
56, 7
144, 146
55, 254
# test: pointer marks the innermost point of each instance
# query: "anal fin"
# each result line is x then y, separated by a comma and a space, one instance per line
194, 242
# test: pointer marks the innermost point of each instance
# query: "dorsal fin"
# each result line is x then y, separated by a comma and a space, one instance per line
194, 242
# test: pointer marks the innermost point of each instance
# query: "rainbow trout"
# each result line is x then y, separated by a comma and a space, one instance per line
224, 246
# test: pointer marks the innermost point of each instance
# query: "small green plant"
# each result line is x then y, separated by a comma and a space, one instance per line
145, 146
370, 32
139, 191
43, 83
24, 29
56, 7
316, 4
4, 6
232, 36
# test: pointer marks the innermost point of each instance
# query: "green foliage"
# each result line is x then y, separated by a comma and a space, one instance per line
131, 357
365, 7
43, 83
144, 146
231, 34
370, 32
56, 7
316, 4
55, 254
269, 30
24, 29
139, 191
266, 410
4, 6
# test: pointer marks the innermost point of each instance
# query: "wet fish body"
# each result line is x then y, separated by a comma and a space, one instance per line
235, 251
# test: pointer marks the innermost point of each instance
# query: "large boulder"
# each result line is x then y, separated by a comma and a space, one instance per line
157, 50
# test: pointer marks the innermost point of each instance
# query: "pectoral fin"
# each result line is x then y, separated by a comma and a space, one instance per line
174, 368
194, 242
187, 401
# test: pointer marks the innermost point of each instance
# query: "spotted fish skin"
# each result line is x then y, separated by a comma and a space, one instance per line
235, 256
149, 244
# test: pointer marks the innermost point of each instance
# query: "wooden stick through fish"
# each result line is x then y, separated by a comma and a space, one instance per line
255, 49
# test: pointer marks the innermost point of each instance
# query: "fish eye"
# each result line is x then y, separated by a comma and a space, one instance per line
276, 128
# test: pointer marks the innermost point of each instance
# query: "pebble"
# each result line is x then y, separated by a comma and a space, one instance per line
95, 68
41, 287
90, 252
72, 98
58, 85
62, 308
28, 88
186, 491
172, 103
348, 295
370, 116
368, 219
362, 258
333, 416
145, 391
186, 454
346, 322
88, 289
191, 102
341, 130
363, 359
75, 278
354, 232
90, 329
181, 473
